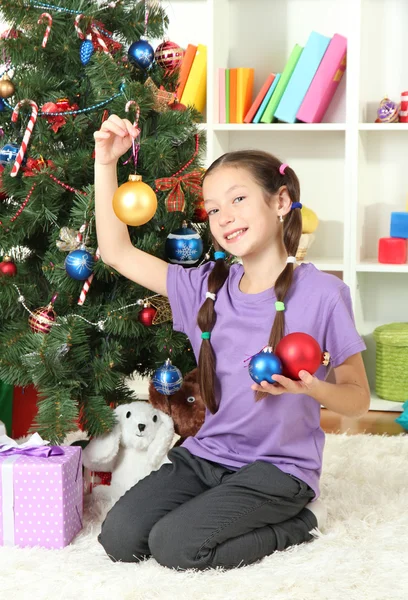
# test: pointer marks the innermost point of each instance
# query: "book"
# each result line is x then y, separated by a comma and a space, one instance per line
258, 100
325, 82
302, 77
269, 113
233, 96
221, 96
245, 88
185, 68
267, 98
227, 96
195, 90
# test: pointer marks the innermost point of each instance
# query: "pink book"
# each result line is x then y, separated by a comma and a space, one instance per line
221, 96
325, 82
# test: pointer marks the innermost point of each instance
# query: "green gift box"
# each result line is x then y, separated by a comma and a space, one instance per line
391, 377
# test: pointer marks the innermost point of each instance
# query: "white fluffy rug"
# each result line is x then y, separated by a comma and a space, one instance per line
360, 556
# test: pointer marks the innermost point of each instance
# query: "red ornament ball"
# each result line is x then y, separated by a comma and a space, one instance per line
200, 215
8, 268
169, 55
178, 106
42, 319
147, 315
299, 352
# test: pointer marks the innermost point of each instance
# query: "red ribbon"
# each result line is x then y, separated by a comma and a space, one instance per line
175, 201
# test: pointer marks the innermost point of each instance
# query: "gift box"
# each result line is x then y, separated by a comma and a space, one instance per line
41, 495
93, 479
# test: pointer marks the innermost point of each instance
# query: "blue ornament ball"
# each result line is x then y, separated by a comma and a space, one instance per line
184, 246
2, 105
167, 379
263, 365
79, 264
8, 153
141, 54
85, 52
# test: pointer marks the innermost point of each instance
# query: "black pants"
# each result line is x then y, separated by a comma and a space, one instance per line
194, 513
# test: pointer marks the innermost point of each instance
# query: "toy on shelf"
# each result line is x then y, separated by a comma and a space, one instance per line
310, 222
403, 114
388, 111
393, 250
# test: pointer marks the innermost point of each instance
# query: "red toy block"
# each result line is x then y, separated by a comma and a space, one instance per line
392, 251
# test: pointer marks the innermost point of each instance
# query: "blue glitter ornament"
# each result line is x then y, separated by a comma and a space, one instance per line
2, 105
167, 379
141, 54
79, 264
85, 52
8, 153
263, 365
184, 246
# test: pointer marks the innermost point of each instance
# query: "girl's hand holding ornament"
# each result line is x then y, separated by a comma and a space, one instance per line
113, 139
308, 384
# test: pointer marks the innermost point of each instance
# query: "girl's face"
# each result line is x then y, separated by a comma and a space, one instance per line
240, 218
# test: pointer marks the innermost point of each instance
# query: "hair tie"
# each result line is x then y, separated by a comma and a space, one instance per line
210, 295
206, 335
291, 259
296, 205
282, 168
279, 306
218, 255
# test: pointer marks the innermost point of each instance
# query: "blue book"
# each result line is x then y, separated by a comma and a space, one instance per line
302, 77
265, 101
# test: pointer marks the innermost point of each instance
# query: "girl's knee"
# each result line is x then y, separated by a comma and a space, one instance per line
123, 541
171, 545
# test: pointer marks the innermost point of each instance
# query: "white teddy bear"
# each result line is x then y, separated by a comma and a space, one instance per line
136, 446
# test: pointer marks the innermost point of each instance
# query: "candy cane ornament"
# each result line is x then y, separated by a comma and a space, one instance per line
87, 284
77, 27
27, 134
48, 29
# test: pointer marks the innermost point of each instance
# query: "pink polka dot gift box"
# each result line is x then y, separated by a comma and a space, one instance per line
41, 493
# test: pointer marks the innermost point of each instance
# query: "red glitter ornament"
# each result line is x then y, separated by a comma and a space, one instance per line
169, 55
299, 352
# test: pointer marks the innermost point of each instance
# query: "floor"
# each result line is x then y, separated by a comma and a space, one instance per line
375, 422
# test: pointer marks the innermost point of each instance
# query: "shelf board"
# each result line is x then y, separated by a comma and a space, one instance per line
373, 266
258, 127
377, 403
383, 127
327, 264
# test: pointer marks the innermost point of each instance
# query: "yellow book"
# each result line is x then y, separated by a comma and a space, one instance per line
195, 91
245, 88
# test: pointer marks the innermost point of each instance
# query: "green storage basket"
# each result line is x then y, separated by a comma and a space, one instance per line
391, 380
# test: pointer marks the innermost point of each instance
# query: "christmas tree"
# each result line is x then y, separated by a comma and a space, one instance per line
73, 327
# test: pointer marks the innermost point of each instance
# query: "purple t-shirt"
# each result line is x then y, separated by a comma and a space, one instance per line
284, 430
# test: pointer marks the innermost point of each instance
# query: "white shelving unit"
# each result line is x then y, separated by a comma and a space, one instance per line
353, 172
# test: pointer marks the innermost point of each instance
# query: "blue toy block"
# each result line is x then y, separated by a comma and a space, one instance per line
399, 225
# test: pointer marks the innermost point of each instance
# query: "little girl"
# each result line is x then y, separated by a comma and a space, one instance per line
247, 484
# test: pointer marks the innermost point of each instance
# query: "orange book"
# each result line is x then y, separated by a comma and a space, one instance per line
185, 68
258, 100
245, 88
233, 95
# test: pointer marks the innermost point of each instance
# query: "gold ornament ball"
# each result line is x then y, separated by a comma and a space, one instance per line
7, 88
134, 202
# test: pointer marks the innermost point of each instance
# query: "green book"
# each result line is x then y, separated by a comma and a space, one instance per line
227, 95
269, 113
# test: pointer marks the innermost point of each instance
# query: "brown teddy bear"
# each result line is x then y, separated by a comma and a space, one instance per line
186, 407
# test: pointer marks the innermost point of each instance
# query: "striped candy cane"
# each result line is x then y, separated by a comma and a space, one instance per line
77, 28
48, 29
101, 41
27, 134
87, 284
